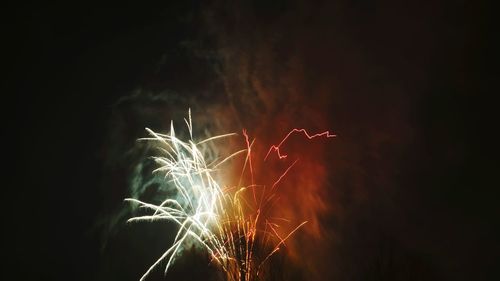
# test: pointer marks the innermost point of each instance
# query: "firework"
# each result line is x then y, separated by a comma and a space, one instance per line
230, 222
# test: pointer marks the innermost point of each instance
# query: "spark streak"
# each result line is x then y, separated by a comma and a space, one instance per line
276, 148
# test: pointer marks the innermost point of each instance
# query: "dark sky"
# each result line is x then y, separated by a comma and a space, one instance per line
412, 96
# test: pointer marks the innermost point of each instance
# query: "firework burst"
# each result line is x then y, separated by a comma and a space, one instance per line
230, 221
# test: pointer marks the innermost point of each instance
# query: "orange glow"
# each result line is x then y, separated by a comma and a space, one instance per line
285, 190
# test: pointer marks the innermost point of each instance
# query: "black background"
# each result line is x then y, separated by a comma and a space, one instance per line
66, 65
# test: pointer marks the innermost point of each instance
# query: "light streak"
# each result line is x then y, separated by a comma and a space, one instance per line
276, 148
283, 175
219, 219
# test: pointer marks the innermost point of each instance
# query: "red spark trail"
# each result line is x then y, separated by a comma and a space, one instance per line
279, 179
249, 155
277, 147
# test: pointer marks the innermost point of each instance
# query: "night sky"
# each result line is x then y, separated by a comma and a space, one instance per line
411, 180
